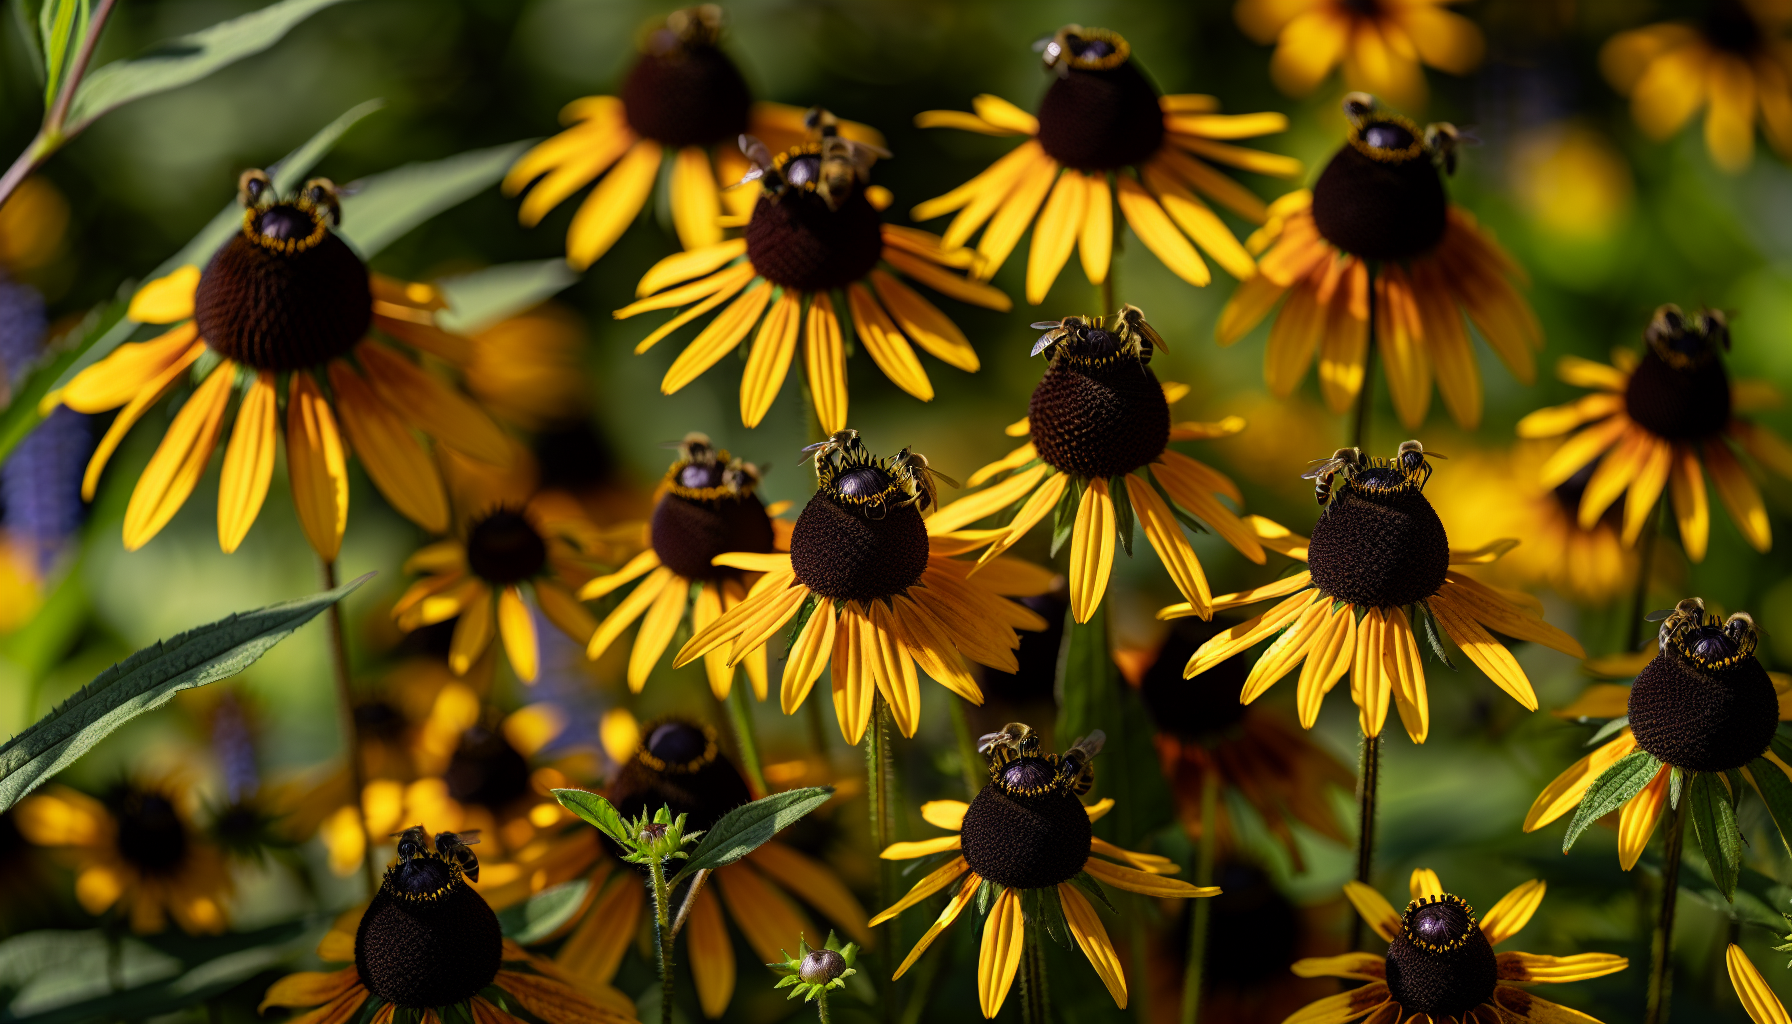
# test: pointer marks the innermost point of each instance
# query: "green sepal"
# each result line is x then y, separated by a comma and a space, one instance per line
1608, 730
1676, 782
1615, 785
987, 891
1176, 510
1782, 747
1123, 517
1714, 821
1437, 643
797, 624
1089, 884
1776, 793
1064, 514
1042, 907
843, 315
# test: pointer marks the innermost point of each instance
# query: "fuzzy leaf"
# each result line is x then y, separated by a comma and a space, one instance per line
145, 681
1608, 730
1619, 783
1714, 820
1436, 642
750, 826
598, 812
178, 62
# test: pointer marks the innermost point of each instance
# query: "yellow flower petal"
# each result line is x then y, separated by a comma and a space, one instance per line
248, 463
166, 299
1004, 932
317, 466
824, 363
516, 627
179, 460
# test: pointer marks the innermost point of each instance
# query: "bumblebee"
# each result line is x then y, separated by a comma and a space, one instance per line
923, 482
842, 441
1358, 106
1442, 140
453, 848
1078, 763
1017, 737
1323, 472
1411, 461
1743, 632
1016, 763
1688, 614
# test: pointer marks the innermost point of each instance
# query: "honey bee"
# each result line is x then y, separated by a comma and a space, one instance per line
1688, 614
413, 842
696, 26
1358, 106
452, 847
1411, 461
845, 163
1743, 632
1442, 140
1079, 762
1015, 738
761, 160
841, 441
740, 476
924, 480
1057, 331
693, 447
255, 190
1131, 326
1323, 471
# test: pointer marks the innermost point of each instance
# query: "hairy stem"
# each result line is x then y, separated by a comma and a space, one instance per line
877, 789
1368, 783
351, 730
740, 716
1035, 1002
821, 1005
690, 900
1200, 911
662, 933
1661, 947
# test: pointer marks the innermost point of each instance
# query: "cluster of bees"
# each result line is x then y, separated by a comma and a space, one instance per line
919, 481
1684, 629
830, 165
1411, 461
452, 847
738, 476
1124, 332
1075, 767
1442, 139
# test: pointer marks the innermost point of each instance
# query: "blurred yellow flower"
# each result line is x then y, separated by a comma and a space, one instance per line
1379, 43
31, 225
1736, 63
528, 369
1572, 181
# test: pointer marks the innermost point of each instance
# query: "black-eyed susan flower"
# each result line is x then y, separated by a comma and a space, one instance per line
1378, 221
528, 369
1379, 43
1099, 460
1758, 1000
679, 765
1662, 422
136, 850
1734, 61
811, 251
1378, 567
428, 947
1103, 136
1440, 964
1496, 493
281, 313
683, 102
545, 545
1702, 709
707, 507
872, 593
1026, 856
1204, 733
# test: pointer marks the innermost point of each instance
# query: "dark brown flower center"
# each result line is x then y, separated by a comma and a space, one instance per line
679, 766
1195, 710
685, 92
1379, 543
486, 770
707, 512
1099, 115
285, 293
427, 939
1099, 415
1700, 718
1441, 963
504, 547
1381, 197
1730, 26
1681, 404
1026, 842
795, 240
151, 835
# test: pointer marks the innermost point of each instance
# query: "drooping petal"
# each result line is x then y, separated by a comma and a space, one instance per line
998, 961
717, 339
399, 465
248, 463
1093, 939
769, 361
317, 465
1056, 233
437, 409
179, 460
886, 345
1564, 792
1374, 908
711, 954
1758, 999
607, 212
1091, 550
516, 627
824, 363
950, 913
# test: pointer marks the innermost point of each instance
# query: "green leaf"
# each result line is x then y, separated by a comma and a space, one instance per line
1776, 793
1122, 510
1043, 907
542, 914
1608, 730
25, 19
987, 891
187, 59
1714, 820
1064, 514
386, 206
484, 297
597, 812
61, 26
1423, 611
145, 681
1091, 885
1093, 696
1619, 783
750, 826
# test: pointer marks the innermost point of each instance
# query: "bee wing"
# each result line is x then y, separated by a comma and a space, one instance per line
944, 479
1092, 743
469, 837
1044, 342
1318, 468
1436, 455
1658, 614
1047, 325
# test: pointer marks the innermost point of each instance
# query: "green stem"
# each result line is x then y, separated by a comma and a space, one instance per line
1359, 432
1368, 783
967, 749
821, 1005
662, 934
1661, 946
740, 715
1035, 1000
1201, 910
877, 790
345, 717
1640, 600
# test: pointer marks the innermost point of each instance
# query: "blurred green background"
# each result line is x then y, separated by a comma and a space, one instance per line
1607, 223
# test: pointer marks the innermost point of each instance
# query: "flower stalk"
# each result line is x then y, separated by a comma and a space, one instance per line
740, 716
351, 730
1661, 945
878, 786
54, 132
1034, 998
1201, 912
